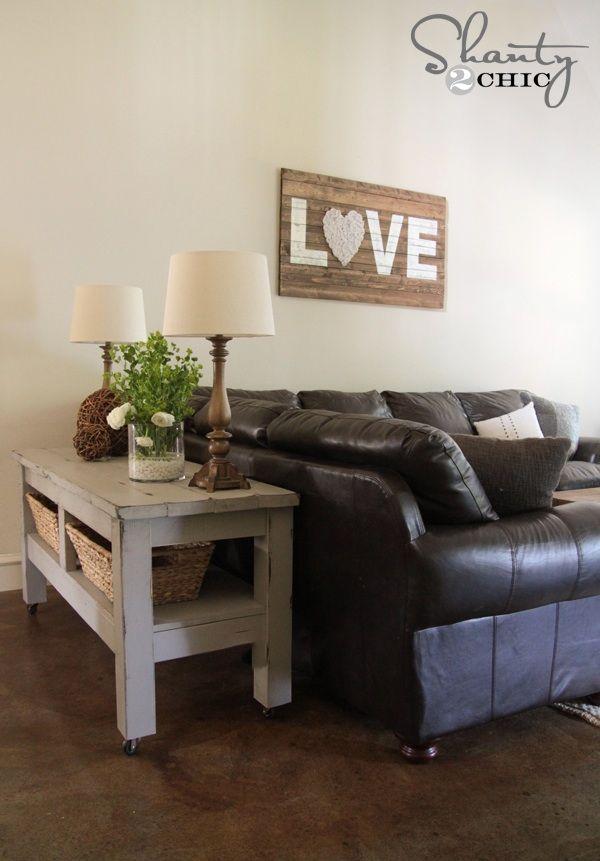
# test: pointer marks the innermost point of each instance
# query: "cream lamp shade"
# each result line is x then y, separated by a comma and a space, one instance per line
218, 293
108, 313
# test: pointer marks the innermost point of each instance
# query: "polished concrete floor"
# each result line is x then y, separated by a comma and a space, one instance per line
220, 782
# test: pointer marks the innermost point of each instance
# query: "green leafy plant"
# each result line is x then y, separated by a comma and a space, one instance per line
154, 387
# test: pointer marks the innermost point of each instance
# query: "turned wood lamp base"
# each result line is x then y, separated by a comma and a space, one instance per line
107, 363
219, 473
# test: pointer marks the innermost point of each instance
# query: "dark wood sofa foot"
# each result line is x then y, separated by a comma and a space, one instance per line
417, 754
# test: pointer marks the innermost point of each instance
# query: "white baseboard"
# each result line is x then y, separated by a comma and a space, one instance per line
10, 572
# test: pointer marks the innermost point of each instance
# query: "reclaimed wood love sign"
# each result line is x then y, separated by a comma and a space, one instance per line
341, 239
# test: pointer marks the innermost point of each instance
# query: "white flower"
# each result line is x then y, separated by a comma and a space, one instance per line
144, 441
117, 417
163, 420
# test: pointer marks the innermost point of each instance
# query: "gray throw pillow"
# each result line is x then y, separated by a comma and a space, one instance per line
557, 419
518, 474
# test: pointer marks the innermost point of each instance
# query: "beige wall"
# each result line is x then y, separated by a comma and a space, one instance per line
130, 130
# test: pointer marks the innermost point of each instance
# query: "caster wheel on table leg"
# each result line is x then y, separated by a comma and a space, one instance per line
130, 746
32, 609
268, 713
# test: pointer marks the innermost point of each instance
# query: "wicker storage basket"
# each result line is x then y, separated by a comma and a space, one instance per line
45, 517
177, 571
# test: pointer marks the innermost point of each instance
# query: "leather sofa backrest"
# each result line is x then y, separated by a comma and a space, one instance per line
480, 406
358, 403
201, 395
249, 419
445, 485
441, 410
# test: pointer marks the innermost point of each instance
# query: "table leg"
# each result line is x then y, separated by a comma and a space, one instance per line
66, 552
134, 628
34, 582
272, 657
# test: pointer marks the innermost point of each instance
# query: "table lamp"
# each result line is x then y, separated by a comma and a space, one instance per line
218, 295
107, 314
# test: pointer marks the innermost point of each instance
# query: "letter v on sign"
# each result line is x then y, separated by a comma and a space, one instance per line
384, 260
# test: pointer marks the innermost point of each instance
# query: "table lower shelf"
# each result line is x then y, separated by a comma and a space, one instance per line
225, 614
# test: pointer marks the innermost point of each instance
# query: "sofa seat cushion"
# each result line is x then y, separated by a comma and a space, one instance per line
514, 564
444, 483
578, 474
441, 410
358, 403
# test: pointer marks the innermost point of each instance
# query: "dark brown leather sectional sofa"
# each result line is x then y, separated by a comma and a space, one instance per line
425, 609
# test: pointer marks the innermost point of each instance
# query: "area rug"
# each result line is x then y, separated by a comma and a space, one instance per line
583, 709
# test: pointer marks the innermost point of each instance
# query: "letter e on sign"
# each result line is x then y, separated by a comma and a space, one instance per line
418, 246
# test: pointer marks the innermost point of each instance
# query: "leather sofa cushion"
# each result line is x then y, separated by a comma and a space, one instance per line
445, 485
516, 563
517, 474
195, 447
588, 449
441, 410
201, 396
357, 403
480, 406
249, 419
578, 474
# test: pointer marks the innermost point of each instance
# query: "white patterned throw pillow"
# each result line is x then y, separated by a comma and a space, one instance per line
520, 424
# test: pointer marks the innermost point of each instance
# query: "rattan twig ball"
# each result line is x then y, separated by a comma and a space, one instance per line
96, 407
92, 441
93, 411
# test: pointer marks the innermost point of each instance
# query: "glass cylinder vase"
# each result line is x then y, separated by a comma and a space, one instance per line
155, 453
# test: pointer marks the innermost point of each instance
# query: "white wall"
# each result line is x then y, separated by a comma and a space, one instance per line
130, 130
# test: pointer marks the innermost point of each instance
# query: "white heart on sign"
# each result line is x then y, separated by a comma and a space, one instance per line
344, 233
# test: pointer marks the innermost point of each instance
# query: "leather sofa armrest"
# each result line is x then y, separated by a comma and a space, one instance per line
402, 505
371, 487
354, 578
588, 449
368, 497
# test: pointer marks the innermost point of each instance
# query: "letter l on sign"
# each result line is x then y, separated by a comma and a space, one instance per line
299, 253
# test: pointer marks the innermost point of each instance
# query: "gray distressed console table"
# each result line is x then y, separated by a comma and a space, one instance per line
136, 517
